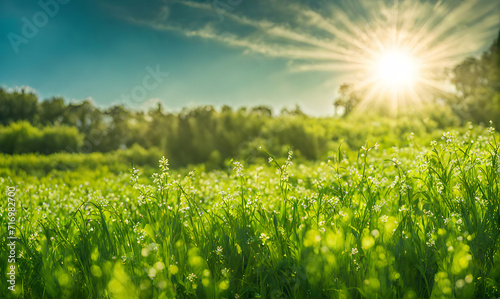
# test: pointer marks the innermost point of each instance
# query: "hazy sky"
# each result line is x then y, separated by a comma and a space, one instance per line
235, 52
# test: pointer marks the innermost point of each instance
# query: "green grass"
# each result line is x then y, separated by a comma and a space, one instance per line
420, 221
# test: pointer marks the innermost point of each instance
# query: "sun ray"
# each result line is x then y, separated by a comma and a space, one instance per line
391, 51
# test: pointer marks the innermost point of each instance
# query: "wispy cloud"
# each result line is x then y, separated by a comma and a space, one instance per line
353, 34
343, 37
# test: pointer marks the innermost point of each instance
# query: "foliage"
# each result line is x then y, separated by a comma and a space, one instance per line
205, 135
230, 135
477, 81
42, 165
15, 106
348, 99
21, 137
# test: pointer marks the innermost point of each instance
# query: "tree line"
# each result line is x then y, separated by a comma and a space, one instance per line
198, 135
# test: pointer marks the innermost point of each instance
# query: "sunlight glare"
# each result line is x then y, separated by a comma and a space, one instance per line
397, 70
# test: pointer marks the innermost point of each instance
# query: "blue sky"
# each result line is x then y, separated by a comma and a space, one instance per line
234, 52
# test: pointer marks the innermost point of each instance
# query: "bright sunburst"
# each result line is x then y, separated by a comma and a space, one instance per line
391, 51
397, 70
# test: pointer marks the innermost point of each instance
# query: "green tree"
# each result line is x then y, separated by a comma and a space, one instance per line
117, 135
477, 81
51, 111
17, 105
347, 100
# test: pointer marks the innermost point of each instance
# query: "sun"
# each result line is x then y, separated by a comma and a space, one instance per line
396, 70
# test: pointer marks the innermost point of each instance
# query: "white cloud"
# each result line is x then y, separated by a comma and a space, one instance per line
25, 88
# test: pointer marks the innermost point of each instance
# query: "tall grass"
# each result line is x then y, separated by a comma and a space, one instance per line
415, 222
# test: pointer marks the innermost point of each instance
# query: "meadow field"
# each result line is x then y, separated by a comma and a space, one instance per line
230, 149
416, 221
